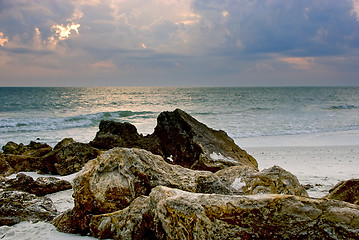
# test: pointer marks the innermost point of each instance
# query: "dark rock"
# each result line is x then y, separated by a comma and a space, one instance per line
347, 191
180, 139
175, 214
192, 144
68, 157
19, 157
115, 134
5, 168
41, 187
34, 149
18, 206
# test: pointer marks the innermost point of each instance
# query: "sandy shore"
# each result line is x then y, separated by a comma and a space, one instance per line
320, 166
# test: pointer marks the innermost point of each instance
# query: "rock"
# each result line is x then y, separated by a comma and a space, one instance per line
247, 181
19, 157
18, 206
33, 148
116, 177
5, 168
41, 187
347, 191
132, 222
115, 134
180, 139
175, 214
68, 157
13, 148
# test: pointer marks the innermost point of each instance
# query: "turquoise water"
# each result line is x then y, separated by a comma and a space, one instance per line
51, 114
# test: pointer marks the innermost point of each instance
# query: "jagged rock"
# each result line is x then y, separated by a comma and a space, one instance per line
23, 158
120, 175
194, 145
35, 149
40, 187
68, 157
116, 134
347, 191
18, 206
175, 214
179, 139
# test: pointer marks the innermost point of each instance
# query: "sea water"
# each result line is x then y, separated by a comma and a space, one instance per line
262, 120
51, 114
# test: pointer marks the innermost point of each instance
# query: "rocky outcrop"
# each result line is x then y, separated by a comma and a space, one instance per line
175, 214
347, 191
179, 139
40, 187
20, 157
68, 157
16, 206
118, 176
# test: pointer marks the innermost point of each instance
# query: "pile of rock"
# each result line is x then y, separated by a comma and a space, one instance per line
184, 181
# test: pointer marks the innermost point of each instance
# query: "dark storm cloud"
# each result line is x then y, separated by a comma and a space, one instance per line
296, 28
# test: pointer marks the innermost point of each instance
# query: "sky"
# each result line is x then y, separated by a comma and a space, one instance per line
179, 43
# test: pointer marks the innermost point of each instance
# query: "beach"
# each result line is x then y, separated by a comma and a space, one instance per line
314, 138
317, 160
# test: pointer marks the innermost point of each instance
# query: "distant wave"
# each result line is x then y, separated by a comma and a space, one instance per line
59, 123
342, 107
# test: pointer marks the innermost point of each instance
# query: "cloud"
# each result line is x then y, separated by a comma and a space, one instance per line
205, 39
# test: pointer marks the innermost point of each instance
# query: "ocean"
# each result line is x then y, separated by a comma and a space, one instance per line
313, 132
51, 114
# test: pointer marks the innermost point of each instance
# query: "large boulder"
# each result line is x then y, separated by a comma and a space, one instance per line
347, 191
118, 176
175, 214
179, 139
194, 145
16, 206
68, 157
40, 187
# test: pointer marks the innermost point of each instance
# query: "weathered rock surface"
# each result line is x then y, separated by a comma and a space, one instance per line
68, 157
247, 181
40, 187
20, 157
175, 214
180, 139
347, 191
118, 176
16, 206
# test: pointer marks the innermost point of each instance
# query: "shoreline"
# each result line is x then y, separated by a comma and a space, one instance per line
321, 167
